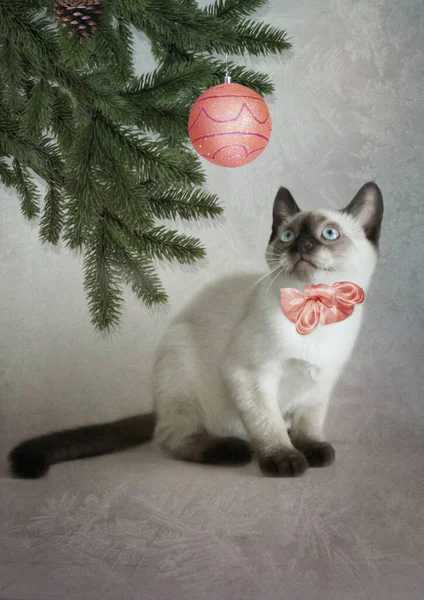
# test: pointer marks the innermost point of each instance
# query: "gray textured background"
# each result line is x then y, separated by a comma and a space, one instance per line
348, 107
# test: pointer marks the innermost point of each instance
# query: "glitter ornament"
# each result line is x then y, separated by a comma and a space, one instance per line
229, 125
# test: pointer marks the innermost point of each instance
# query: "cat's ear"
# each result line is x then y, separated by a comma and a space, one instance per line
284, 208
367, 208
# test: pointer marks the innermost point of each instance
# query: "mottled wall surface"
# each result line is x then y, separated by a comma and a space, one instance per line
348, 108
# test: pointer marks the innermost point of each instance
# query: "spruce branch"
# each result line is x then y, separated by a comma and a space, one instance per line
84, 195
260, 39
259, 82
113, 45
167, 244
52, 219
102, 279
136, 267
168, 81
7, 175
154, 160
234, 10
125, 199
188, 205
25, 28
27, 191
140, 275
42, 156
63, 124
37, 113
112, 148
168, 121
182, 25
12, 76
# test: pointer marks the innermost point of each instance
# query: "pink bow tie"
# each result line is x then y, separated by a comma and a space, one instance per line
320, 303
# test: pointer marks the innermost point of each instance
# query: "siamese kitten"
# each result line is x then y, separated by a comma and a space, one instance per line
232, 376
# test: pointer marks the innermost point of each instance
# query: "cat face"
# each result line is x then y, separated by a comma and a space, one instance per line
305, 244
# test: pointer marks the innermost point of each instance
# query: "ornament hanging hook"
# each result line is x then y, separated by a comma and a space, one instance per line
227, 78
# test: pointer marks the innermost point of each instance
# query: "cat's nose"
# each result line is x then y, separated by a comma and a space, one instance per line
302, 244
306, 245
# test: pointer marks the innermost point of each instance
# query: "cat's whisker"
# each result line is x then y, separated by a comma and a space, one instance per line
333, 269
273, 259
278, 274
264, 277
274, 262
272, 256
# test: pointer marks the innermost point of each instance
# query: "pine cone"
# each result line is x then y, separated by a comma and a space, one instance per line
81, 17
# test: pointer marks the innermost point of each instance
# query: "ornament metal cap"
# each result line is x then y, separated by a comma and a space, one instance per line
227, 78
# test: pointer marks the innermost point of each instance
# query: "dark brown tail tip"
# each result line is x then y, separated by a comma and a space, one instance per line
28, 463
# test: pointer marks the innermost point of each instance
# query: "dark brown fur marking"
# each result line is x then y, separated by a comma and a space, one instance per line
306, 227
368, 201
205, 448
318, 454
32, 458
285, 207
284, 462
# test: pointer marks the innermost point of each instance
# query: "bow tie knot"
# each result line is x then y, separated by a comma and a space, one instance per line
320, 303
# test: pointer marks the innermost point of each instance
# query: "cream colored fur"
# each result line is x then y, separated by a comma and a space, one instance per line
232, 364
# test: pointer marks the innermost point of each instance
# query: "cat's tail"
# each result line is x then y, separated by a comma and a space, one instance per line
32, 458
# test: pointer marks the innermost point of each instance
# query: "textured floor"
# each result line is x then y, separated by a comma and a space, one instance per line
140, 526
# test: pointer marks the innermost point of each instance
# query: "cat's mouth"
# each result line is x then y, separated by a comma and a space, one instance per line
304, 263
303, 268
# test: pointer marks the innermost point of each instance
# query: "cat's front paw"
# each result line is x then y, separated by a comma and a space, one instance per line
318, 454
285, 462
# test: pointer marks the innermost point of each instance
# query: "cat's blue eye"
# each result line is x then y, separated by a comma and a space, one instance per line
331, 234
287, 236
